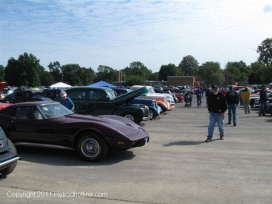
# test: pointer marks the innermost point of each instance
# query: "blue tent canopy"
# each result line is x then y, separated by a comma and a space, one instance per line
103, 84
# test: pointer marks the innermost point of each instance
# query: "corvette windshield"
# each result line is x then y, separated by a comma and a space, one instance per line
54, 110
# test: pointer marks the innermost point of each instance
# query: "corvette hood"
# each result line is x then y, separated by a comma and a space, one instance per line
125, 98
120, 124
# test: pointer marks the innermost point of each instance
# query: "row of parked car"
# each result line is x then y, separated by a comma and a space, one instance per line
92, 130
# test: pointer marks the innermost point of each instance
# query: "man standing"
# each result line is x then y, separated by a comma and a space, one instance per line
199, 94
217, 106
246, 99
232, 99
263, 100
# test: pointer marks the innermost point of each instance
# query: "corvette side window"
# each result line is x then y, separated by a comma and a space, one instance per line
25, 113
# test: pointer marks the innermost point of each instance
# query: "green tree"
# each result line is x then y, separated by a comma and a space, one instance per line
154, 76
189, 66
134, 79
46, 78
137, 69
106, 73
2, 73
239, 69
72, 74
26, 69
88, 76
55, 71
259, 73
265, 52
211, 73
168, 70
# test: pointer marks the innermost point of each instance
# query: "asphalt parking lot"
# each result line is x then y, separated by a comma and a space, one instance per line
176, 166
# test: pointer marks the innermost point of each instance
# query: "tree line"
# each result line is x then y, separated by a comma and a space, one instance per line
27, 71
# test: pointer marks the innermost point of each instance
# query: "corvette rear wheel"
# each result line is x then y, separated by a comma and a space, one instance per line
91, 147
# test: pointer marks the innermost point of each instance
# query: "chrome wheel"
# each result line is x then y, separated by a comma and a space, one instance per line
90, 148
129, 117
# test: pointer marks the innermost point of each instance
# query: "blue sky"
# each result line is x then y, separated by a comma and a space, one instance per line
116, 33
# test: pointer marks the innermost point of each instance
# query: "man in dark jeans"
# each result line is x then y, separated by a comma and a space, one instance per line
263, 100
232, 99
217, 105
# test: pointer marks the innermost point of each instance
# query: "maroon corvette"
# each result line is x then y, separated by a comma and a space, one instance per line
49, 122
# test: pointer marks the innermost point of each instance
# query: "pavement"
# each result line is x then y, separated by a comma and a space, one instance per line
176, 166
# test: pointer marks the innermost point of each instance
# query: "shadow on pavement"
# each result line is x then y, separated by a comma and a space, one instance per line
184, 143
62, 156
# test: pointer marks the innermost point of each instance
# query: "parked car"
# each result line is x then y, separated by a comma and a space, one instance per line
91, 100
161, 99
144, 107
8, 155
25, 95
154, 109
51, 93
48, 122
255, 100
120, 91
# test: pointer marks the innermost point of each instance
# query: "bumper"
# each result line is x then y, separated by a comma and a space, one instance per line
6, 163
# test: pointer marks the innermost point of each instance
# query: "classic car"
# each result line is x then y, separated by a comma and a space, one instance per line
154, 109
255, 100
93, 100
8, 155
161, 99
48, 122
51, 93
24, 96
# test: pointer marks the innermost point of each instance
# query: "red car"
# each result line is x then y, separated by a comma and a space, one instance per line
51, 123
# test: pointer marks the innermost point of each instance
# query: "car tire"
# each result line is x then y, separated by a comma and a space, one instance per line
151, 114
92, 147
130, 116
12, 166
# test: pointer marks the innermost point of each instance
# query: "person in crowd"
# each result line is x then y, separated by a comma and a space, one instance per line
224, 91
263, 100
240, 97
199, 94
217, 106
232, 99
245, 94
66, 101
188, 98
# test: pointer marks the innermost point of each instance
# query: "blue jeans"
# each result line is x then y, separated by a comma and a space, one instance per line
216, 118
232, 112
262, 107
199, 101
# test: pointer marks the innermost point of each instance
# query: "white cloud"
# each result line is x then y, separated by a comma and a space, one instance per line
116, 33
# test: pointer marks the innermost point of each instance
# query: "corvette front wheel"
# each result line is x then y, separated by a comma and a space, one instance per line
91, 147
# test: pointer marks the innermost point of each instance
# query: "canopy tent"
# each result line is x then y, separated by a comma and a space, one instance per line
102, 83
60, 85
